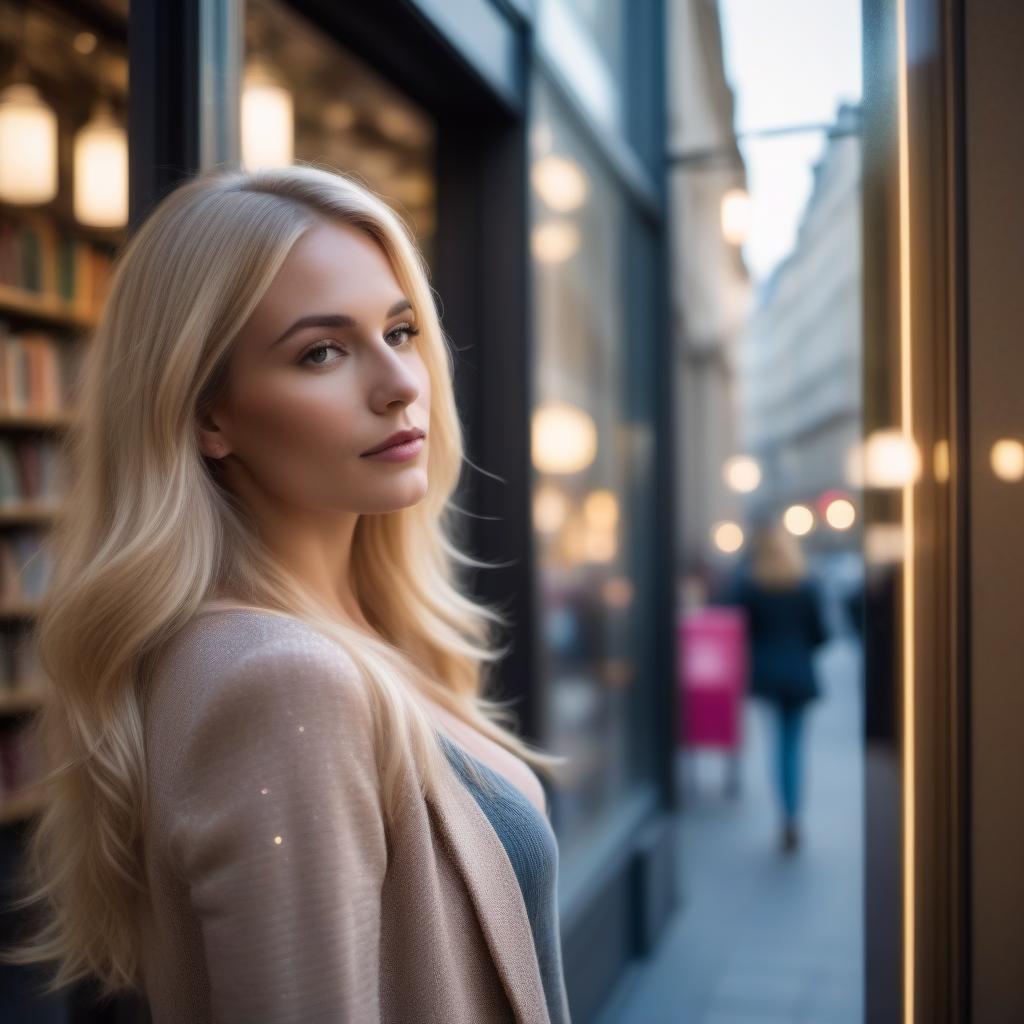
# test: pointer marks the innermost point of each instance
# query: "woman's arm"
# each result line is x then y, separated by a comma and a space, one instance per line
281, 839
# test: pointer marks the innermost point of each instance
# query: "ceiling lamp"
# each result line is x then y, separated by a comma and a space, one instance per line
554, 241
101, 170
560, 182
268, 119
28, 143
563, 438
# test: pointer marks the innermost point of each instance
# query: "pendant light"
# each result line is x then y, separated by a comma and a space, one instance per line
268, 118
101, 170
28, 138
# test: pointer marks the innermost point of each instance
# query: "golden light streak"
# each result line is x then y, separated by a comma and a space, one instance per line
906, 410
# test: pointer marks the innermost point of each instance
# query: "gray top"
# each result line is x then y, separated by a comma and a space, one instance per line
532, 848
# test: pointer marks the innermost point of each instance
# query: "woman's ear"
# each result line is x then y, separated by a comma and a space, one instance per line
210, 438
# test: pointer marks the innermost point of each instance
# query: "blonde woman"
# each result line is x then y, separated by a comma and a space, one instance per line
784, 626
278, 793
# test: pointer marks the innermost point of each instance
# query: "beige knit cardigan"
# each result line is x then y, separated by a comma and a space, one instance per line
277, 893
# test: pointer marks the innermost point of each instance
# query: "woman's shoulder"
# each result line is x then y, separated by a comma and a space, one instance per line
249, 654
233, 675
220, 637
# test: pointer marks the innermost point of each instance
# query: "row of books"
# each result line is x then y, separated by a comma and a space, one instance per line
26, 564
31, 471
39, 256
38, 372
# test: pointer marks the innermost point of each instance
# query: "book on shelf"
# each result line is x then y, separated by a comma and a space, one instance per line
38, 372
40, 257
25, 567
31, 472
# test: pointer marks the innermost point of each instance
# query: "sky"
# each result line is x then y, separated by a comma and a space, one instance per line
790, 62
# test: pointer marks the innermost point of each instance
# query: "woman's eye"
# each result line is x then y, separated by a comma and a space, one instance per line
407, 329
404, 332
315, 350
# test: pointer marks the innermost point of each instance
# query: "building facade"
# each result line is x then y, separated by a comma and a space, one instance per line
523, 142
800, 371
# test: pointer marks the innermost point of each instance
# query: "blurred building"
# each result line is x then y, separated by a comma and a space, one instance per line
711, 289
523, 142
801, 352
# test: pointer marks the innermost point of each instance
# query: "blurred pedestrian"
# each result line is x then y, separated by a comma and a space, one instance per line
785, 625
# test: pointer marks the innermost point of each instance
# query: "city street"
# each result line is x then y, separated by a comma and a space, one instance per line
762, 939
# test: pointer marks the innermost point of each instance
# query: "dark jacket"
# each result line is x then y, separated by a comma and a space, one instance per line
784, 626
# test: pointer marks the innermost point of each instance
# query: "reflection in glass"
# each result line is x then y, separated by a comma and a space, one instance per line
602, 21
585, 456
268, 119
306, 98
1008, 460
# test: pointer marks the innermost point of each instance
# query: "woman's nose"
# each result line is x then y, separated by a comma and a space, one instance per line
394, 381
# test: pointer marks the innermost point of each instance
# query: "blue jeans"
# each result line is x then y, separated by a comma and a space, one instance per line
788, 761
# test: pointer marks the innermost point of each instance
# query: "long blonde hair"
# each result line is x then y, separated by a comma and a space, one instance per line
147, 535
778, 560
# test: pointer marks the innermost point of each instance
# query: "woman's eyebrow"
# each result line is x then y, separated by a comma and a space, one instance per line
335, 320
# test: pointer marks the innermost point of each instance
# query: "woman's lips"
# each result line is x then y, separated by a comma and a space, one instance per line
399, 452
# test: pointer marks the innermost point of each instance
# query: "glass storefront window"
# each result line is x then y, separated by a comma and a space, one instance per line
304, 97
583, 452
603, 22
583, 40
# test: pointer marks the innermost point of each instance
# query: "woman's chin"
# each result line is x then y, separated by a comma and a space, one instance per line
400, 494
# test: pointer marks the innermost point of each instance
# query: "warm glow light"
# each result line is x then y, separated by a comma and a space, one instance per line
940, 461
599, 545
560, 182
617, 592
555, 241
84, 42
28, 146
891, 460
737, 215
601, 509
728, 537
572, 539
101, 170
1008, 460
550, 508
268, 119
394, 122
413, 188
840, 514
563, 438
799, 520
883, 543
338, 115
908, 705
742, 473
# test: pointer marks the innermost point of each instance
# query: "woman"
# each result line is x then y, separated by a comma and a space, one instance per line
784, 625
279, 793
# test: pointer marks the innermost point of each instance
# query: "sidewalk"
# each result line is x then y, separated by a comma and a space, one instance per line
759, 938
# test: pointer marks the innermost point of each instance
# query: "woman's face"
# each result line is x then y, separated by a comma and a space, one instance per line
306, 399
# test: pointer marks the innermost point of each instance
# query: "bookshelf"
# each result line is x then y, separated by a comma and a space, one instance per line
53, 279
